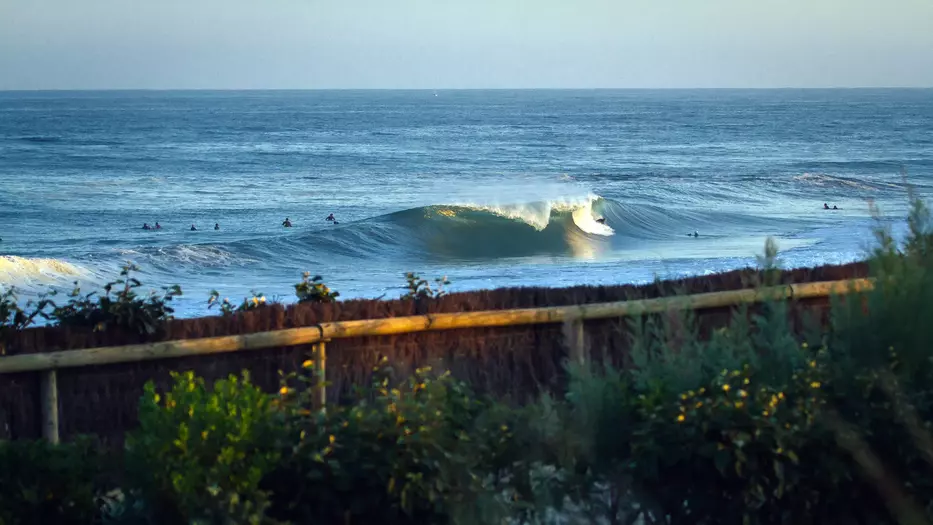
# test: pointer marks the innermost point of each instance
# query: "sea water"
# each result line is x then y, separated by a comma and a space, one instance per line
488, 188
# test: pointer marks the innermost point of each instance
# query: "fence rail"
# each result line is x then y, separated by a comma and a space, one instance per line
318, 335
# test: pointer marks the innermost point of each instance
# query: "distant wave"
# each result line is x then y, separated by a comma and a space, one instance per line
826, 180
40, 139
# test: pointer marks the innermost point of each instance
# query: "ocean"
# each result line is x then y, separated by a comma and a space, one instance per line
489, 188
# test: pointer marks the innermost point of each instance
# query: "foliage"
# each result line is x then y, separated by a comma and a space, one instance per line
313, 290
42, 483
419, 288
200, 453
121, 307
426, 451
754, 425
13, 317
255, 301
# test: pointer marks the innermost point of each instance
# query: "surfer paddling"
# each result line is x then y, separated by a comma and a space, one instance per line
287, 223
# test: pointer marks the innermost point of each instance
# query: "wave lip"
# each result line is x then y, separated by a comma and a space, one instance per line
540, 214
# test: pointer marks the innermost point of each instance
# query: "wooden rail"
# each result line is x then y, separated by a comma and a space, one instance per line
48, 363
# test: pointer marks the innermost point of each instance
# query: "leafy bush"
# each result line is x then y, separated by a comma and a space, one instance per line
255, 301
200, 453
121, 307
42, 483
427, 451
419, 288
13, 317
313, 290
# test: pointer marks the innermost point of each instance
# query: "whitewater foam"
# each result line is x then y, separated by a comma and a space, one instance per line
22, 271
539, 214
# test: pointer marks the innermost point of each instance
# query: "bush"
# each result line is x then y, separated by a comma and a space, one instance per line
12, 316
426, 451
313, 290
123, 309
419, 288
757, 425
200, 453
42, 483
255, 301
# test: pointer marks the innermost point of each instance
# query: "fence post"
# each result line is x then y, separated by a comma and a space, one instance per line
320, 372
49, 405
576, 340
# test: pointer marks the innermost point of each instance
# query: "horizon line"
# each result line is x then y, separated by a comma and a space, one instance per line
720, 88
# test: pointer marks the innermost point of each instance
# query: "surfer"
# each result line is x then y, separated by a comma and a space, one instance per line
601, 220
834, 207
193, 228
216, 225
146, 226
287, 223
694, 234
158, 226
331, 218
825, 206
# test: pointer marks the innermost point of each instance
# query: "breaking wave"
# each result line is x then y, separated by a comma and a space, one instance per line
584, 226
22, 271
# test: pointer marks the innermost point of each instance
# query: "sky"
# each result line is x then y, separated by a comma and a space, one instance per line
443, 44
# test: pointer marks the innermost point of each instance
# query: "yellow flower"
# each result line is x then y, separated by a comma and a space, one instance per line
725, 388
815, 384
702, 391
745, 382
332, 439
739, 404
681, 418
743, 393
780, 395
204, 435
683, 397
804, 346
307, 364
699, 404
284, 391
765, 413
812, 364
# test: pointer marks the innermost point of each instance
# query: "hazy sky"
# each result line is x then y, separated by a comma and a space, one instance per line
63, 44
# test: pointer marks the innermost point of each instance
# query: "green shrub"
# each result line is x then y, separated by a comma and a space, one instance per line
758, 425
200, 453
121, 307
42, 484
14, 317
419, 288
313, 290
255, 301
427, 451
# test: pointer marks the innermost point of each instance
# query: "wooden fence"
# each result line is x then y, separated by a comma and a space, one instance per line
318, 335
